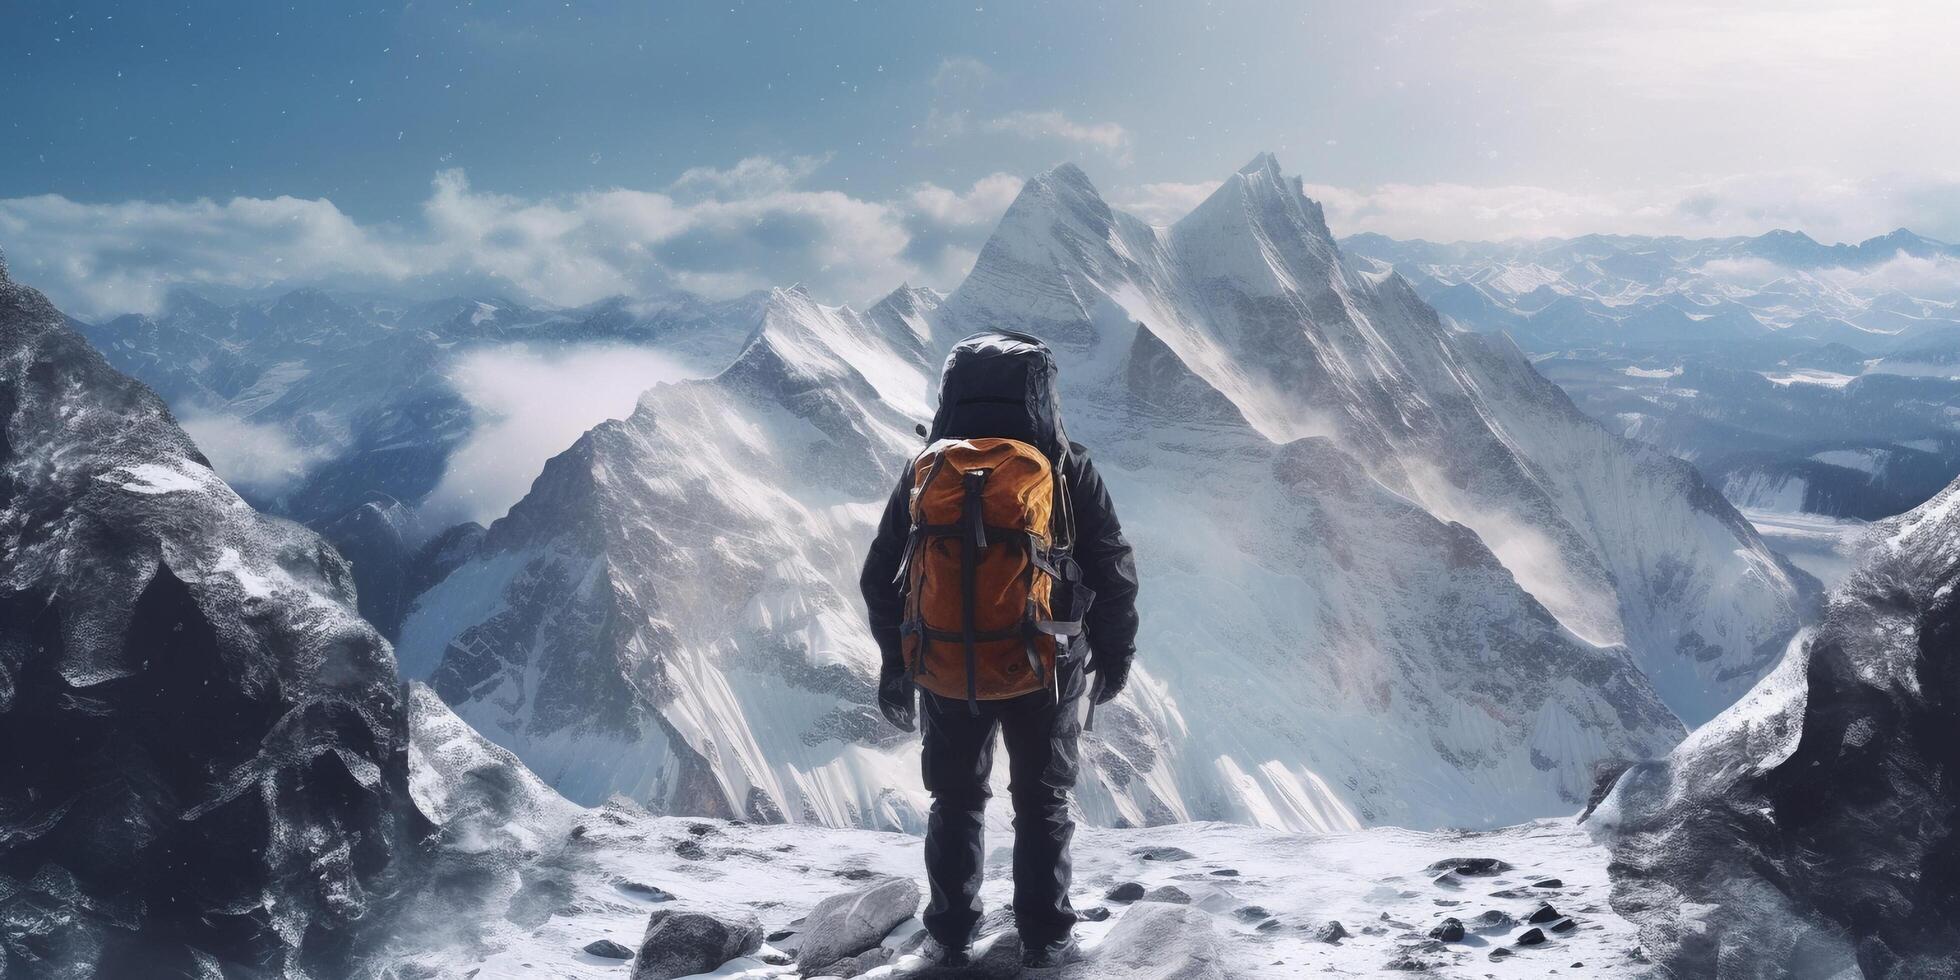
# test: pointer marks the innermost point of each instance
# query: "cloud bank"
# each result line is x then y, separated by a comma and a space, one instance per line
715, 232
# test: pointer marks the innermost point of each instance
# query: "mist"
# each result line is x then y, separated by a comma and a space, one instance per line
531, 404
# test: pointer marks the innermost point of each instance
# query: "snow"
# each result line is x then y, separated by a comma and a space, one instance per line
1870, 461
1808, 376
156, 478
1640, 372
1824, 546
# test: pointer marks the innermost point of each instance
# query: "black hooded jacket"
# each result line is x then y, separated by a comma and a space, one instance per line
1003, 385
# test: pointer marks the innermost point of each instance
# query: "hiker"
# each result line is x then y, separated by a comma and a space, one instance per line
998, 579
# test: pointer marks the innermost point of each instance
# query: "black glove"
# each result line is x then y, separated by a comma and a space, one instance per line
1110, 679
898, 699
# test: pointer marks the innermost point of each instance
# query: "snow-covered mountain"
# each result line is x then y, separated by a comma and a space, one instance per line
1438, 588
1799, 377
1809, 831
1623, 544
203, 750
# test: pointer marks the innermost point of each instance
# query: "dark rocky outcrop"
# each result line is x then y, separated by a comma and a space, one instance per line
1810, 829
203, 749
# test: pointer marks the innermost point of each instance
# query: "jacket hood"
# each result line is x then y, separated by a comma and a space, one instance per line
1001, 384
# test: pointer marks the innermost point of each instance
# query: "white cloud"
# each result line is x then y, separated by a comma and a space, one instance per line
1827, 207
529, 405
1107, 137
717, 232
1165, 202
258, 459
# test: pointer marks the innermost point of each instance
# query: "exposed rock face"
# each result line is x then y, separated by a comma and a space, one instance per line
205, 762
1811, 829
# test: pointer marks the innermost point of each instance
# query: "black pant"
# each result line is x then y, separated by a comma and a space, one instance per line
1041, 760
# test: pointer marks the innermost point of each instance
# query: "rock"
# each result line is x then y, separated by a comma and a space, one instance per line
1493, 921
1448, 879
701, 829
1450, 930
864, 962
998, 919
1094, 913
1548, 883
780, 935
1564, 925
1251, 913
1330, 931
1531, 937
691, 850
1159, 942
1499, 953
1543, 913
1227, 872
1164, 853
1168, 894
1128, 891
645, 891
1475, 867
1268, 926
681, 943
850, 923
608, 949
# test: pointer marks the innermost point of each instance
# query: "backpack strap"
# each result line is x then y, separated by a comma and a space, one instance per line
975, 483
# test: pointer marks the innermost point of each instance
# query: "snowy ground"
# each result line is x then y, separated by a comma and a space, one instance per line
1376, 883
1821, 545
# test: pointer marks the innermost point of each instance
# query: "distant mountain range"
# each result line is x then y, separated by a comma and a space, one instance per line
1799, 377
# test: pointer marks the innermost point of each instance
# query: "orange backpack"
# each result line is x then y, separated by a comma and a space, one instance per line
981, 568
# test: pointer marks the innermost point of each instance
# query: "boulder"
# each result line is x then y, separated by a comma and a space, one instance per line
681, 943
1330, 931
1470, 866
1531, 937
1168, 894
1450, 930
850, 923
1155, 941
1164, 853
862, 963
608, 949
1128, 891
1542, 914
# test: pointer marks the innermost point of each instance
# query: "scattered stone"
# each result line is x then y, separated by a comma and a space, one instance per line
1577, 965
691, 850
848, 924
1474, 867
1531, 937
1330, 931
1493, 921
1168, 894
1450, 930
1548, 883
1499, 953
1268, 926
645, 891
856, 874
1251, 913
780, 935
1164, 853
1564, 925
1511, 893
1397, 923
680, 943
1542, 914
608, 949
1094, 913
1128, 891
1448, 879
1227, 872
775, 957
700, 829
1409, 963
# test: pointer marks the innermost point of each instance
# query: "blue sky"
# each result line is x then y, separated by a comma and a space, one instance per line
568, 149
